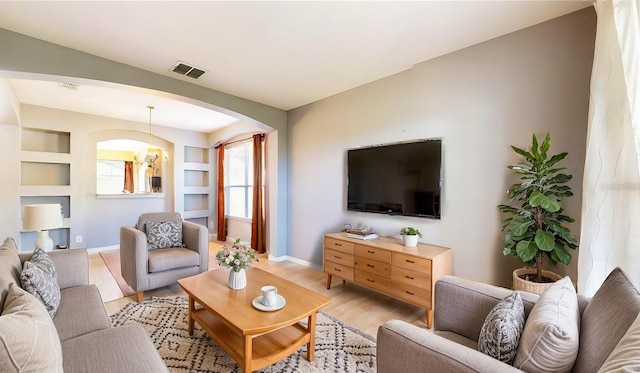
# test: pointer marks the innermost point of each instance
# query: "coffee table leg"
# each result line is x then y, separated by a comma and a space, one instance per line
192, 308
311, 327
248, 356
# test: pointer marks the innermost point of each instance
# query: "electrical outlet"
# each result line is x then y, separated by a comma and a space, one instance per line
78, 239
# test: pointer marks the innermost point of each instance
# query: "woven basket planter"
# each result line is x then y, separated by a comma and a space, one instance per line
519, 283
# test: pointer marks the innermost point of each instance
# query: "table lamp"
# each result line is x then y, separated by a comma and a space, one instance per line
41, 218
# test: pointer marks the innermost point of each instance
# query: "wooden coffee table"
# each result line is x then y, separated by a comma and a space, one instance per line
254, 339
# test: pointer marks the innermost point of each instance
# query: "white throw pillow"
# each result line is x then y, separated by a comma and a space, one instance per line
550, 339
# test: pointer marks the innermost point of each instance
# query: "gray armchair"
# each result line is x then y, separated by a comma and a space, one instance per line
145, 269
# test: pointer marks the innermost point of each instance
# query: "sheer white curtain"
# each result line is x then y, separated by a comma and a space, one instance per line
610, 232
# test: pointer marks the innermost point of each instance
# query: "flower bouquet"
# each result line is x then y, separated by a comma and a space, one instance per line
237, 257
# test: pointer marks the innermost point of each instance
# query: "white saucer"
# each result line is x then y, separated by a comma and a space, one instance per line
280, 302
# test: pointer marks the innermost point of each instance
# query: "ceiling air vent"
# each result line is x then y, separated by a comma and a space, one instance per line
187, 70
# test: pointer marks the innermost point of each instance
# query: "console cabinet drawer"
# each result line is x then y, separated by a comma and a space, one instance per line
412, 294
338, 257
372, 266
411, 262
409, 277
372, 281
339, 245
339, 270
373, 253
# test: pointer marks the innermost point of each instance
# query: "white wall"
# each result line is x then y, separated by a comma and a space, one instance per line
479, 100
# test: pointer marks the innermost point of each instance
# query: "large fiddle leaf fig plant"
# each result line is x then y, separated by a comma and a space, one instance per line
534, 228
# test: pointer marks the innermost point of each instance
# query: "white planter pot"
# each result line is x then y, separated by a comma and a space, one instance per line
410, 241
237, 280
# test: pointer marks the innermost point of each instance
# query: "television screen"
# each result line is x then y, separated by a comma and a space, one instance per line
397, 179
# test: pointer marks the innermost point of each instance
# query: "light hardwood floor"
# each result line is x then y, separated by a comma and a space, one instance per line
357, 306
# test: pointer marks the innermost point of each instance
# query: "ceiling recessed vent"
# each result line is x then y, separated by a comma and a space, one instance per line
187, 70
70, 86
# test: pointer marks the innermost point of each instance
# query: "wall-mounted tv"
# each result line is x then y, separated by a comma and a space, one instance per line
397, 179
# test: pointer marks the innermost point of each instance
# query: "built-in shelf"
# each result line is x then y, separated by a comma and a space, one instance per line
45, 174
130, 195
196, 155
196, 178
196, 202
40, 140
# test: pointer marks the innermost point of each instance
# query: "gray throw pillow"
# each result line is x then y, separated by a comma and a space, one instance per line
29, 341
161, 235
39, 278
500, 333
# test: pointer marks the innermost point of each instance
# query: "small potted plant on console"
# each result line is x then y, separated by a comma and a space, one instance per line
410, 236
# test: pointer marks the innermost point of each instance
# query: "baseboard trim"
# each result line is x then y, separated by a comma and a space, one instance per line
295, 260
95, 250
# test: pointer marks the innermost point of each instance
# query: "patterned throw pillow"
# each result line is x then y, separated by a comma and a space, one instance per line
500, 333
39, 278
164, 234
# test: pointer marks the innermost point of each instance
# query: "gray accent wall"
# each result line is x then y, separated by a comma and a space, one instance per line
479, 100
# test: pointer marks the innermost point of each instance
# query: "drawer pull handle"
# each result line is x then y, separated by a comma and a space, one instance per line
337, 269
371, 252
410, 261
410, 293
370, 280
410, 278
337, 257
338, 244
371, 266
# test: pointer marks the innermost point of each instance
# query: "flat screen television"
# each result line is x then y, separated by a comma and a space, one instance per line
397, 179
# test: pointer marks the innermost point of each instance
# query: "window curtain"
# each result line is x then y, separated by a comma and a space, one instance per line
222, 232
128, 177
610, 234
257, 218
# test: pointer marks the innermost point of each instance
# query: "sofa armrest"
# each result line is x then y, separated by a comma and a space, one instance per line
196, 238
403, 347
462, 305
133, 257
72, 267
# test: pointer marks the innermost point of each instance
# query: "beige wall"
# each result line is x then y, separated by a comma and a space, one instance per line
479, 100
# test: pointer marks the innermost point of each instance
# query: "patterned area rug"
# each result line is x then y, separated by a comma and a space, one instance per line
339, 347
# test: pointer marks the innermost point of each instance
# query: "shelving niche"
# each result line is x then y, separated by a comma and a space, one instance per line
197, 199
45, 177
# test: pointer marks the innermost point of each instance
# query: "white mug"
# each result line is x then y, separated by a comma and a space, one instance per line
269, 295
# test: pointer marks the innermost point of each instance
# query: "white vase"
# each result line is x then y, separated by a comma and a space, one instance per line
237, 280
410, 241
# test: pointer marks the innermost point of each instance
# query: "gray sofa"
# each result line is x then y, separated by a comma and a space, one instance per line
88, 341
609, 330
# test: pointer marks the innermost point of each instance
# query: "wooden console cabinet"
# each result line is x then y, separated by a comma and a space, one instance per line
387, 266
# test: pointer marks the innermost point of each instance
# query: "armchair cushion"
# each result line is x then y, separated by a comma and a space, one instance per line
164, 234
500, 333
172, 258
39, 278
550, 338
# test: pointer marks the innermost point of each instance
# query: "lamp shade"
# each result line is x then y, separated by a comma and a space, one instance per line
41, 217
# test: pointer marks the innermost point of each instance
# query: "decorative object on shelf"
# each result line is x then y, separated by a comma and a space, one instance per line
534, 230
410, 236
41, 218
237, 257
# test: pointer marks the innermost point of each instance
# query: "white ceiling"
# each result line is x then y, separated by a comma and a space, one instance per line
283, 54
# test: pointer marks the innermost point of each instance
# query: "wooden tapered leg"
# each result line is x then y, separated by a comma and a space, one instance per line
328, 282
428, 313
311, 327
192, 307
139, 296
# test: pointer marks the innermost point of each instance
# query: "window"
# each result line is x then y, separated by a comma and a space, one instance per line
238, 180
110, 177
